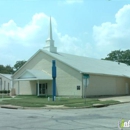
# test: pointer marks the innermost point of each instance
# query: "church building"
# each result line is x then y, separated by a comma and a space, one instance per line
76, 75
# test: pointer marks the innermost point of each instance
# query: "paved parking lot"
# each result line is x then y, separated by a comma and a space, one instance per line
105, 118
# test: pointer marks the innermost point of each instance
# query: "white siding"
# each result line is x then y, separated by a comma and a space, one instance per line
67, 78
106, 85
5, 83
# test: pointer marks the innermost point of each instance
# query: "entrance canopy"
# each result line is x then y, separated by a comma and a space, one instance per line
35, 75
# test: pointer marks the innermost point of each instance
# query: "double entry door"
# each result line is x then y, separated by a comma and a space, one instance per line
41, 89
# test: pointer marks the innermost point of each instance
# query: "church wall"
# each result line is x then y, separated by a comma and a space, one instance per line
25, 87
67, 78
29, 87
106, 85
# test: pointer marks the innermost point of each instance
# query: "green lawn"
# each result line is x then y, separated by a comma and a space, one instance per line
34, 101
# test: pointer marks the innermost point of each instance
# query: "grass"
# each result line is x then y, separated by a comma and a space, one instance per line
34, 101
4, 96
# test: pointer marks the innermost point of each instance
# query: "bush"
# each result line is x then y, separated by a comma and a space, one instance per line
5, 91
8, 91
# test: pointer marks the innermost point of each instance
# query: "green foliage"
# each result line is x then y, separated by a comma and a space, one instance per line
10, 70
19, 64
119, 56
5, 91
6, 69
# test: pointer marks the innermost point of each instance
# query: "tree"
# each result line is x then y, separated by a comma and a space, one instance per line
119, 56
6, 69
19, 64
9, 69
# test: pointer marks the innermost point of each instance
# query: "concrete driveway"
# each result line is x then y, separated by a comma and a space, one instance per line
118, 98
105, 118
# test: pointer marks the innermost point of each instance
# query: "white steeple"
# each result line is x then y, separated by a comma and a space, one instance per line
50, 42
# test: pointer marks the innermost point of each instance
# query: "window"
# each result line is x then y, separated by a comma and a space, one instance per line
78, 87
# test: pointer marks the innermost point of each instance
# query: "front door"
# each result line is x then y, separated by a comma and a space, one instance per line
41, 89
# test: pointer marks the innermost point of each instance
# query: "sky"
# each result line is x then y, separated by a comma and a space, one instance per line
91, 28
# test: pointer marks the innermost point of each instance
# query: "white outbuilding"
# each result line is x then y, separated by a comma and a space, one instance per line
5, 81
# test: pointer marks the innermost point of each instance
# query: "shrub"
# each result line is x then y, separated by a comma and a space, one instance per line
8, 91
5, 91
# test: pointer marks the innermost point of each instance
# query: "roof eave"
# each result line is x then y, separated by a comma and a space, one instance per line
30, 79
26, 63
103, 74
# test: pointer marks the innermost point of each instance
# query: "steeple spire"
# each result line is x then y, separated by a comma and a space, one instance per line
50, 42
50, 31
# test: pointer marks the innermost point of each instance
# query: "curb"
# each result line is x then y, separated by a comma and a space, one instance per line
11, 107
50, 108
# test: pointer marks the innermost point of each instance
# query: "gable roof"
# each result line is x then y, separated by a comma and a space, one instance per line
87, 65
8, 76
34, 75
91, 65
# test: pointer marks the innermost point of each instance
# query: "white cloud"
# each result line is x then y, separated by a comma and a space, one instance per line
111, 36
73, 45
20, 43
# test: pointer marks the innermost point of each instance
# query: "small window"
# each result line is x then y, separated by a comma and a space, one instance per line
78, 87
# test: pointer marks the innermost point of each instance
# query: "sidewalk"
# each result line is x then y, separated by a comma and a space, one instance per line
118, 98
